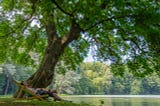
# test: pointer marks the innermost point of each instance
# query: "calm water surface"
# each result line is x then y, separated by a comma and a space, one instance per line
117, 100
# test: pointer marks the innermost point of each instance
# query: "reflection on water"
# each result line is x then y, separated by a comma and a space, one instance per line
117, 100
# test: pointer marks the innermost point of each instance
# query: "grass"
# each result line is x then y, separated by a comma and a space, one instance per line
9, 101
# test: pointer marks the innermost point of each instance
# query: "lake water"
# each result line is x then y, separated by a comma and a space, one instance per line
116, 100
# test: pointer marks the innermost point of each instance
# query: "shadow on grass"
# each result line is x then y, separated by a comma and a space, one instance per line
15, 102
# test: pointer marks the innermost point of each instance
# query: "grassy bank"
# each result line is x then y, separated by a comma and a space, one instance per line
9, 101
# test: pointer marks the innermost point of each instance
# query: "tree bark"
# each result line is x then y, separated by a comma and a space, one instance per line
7, 85
56, 45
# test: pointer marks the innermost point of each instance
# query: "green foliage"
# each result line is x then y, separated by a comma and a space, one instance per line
132, 85
90, 78
95, 78
118, 69
8, 72
151, 85
64, 83
140, 67
136, 87
85, 87
113, 29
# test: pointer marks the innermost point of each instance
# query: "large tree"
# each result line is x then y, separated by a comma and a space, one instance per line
64, 30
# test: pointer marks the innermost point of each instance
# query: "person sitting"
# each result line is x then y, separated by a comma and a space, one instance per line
43, 91
51, 93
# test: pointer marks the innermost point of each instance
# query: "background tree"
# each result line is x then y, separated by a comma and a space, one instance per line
64, 30
136, 87
82, 81
150, 85
65, 83
121, 85
8, 72
98, 74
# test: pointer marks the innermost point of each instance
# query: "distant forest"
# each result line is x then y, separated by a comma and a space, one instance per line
90, 78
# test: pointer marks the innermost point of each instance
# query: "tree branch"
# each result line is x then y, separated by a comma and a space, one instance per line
51, 28
131, 39
101, 21
58, 6
108, 19
33, 11
51, 32
73, 34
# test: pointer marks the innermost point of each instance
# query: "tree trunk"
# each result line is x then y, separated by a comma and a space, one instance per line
56, 45
44, 75
7, 85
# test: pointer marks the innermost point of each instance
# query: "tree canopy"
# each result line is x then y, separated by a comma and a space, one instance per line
117, 30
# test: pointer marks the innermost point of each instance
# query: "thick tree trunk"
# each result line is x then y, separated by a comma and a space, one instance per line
45, 73
56, 45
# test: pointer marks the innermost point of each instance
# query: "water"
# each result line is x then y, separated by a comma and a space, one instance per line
117, 100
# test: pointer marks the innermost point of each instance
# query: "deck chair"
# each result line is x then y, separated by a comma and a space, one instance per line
27, 91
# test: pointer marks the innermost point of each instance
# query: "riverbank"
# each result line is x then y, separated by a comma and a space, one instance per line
114, 96
116, 100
